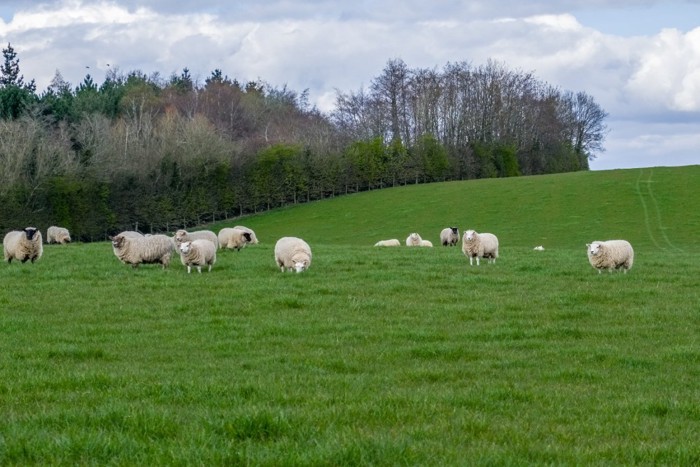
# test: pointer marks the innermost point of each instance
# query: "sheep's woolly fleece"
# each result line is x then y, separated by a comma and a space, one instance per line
292, 253
135, 250
610, 254
449, 236
479, 245
390, 242
23, 245
413, 239
56, 234
183, 235
197, 253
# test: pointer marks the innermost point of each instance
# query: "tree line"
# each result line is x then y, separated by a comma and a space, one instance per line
157, 153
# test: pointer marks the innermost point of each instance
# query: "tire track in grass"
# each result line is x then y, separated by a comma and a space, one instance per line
647, 223
658, 213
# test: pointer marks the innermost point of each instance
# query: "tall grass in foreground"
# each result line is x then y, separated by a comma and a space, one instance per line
372, 357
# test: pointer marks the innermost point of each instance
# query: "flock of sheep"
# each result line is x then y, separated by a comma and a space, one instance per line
198, 249
602, 255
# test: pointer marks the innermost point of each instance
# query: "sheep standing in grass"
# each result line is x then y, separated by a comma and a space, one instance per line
292, 253
136, 250
23, 245
611, 254
185, 236
413, 240
234, 238
197, 253
479, 245
57, 235
392, 242
449, 236
253, 238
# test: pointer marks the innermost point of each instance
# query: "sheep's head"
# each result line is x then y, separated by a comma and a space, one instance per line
118, 241
414, 237
30, 232
247, 237
594, 248
180, 235
300, 266
185, 247
470, 235
455, 230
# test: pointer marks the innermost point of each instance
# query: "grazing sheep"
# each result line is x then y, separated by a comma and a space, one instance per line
539, 248
427, 243
234, 238
197, 253
292, 253
57, 235
449, 236
135, 250
611, 254
23, 245
413, 240
392, 242
253, 238
479, 245
185, 236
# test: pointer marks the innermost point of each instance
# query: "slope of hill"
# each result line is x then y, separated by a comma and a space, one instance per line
652, 207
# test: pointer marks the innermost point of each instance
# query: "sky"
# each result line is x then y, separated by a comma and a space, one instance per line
639, 59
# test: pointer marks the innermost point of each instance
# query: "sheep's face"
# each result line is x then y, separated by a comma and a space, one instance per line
180, 235
185, 247
455, 230
594, 248
414, 237
470, 235
247, 237
30, 232
300, 266
118, 241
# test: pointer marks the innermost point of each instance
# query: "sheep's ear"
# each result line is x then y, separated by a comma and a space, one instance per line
588, 245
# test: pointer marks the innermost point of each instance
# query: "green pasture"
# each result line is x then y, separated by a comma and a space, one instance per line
374, 356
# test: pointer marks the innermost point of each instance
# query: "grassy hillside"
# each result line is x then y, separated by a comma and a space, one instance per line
651, 207
373, 356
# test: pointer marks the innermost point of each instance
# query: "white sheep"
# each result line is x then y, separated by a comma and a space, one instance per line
392, 242
292, 253
479, 245
449, 236
197, 253
539, 248
427, 243
183, 235
234, 238
610, 254
57, 235
23, 245
253, 238
413, 240
135, 250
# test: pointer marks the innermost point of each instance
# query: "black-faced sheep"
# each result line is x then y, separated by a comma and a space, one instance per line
253, 237
610, 254
57, 235
292, 253
197, 253
136, 250
23, 245
234, 238
479, 245
449, 236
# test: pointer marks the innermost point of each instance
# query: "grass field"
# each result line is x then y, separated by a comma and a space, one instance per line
374, 356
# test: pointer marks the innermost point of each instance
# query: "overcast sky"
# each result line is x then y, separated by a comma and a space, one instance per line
639, 59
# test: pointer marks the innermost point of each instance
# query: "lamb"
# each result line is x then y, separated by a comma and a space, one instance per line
197, 253
479, 245
23, 245
292, 253
610, 254
392, 242
234, 238
253, 238
136, 250
184, 236
427, 243
449, 236
57, 235
413, 240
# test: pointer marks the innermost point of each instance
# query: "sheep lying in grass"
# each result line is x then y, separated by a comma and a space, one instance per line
23, 245
253, 238
610, 254
449, 236
392, 242
479, 245
427, 243
183, 235
292, 253
135, 250
413, 240
57, 235
197, 253
539, 248
234, 238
